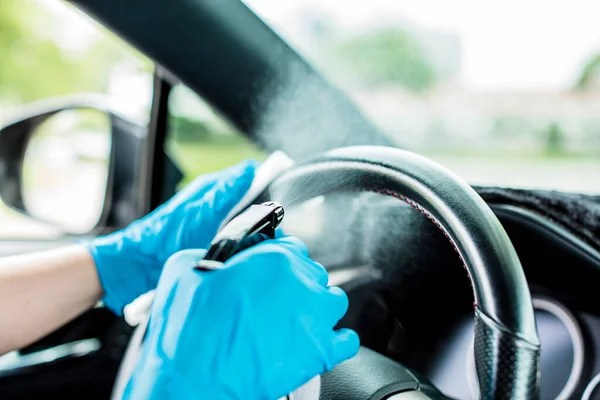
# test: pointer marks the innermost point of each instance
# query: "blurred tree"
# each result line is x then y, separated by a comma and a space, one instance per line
590, 75
35, 63
555, 139
388, 57
509, 126
437, 135
183, 129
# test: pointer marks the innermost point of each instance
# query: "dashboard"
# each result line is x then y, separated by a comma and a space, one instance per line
569, 342
410, 299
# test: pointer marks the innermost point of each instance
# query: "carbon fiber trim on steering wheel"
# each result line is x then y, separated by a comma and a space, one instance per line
496, 348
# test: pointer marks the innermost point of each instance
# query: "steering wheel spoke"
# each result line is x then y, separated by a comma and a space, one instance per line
373, 376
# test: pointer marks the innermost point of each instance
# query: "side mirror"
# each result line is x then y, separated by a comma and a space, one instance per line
74, 164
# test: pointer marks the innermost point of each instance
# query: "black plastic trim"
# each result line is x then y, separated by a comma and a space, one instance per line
548, 228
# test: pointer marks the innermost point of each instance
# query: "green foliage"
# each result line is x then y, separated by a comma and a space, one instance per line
590, 74
388, 57
507, 126
35, 63
201, 146
182, 129
555, 139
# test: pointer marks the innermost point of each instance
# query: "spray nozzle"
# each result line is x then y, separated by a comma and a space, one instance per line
254, 225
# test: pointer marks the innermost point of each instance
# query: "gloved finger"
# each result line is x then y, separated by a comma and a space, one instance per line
244, 169
313, 271
182, 261
177, 265
345, 345
161, 304
183, 300
309, 269
279, 233
204, 183
316, 272
334, 305
292, 243
233, 171
228, 191
208, 212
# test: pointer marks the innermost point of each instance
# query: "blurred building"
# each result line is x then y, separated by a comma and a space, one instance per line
451, 118
448, 117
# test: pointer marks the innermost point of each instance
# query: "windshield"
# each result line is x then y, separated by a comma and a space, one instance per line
503, 94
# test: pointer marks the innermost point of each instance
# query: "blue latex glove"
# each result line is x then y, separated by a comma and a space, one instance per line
258, 329
129, 261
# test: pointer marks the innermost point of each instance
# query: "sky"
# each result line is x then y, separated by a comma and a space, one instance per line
507, 45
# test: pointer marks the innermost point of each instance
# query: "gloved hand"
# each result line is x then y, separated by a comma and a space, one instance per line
129, 261
258, 329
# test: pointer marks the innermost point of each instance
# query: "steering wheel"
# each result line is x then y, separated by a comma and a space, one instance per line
506, 343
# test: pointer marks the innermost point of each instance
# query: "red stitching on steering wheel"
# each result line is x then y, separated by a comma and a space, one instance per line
432, 219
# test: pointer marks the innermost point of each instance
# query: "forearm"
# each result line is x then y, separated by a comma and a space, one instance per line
40, 292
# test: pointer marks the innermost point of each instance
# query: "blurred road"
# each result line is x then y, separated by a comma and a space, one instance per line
564, 174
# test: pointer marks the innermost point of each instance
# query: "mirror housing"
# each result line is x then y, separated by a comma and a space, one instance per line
122, 202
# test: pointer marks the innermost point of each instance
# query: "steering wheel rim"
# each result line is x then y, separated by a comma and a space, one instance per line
506, 342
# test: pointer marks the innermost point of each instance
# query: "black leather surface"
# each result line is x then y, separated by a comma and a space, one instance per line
370, 376
500, 288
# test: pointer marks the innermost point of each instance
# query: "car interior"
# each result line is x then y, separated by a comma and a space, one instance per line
456, 290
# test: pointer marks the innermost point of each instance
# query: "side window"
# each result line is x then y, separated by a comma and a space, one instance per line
51, 49
201, 141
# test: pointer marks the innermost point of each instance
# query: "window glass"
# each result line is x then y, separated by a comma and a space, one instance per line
51, 49
201, 141
503, 93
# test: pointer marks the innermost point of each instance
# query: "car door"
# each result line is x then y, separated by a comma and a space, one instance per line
75, 107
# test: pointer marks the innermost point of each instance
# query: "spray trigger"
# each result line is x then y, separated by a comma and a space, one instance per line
256, 224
